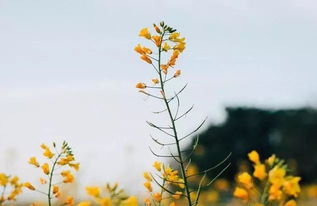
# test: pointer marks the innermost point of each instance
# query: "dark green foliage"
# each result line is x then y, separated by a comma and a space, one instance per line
290, 134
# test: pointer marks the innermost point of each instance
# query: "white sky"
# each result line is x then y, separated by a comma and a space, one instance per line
68, 70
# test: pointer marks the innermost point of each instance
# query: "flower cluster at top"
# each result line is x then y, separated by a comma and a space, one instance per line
279, 186
170, 179
55, 160
12, 183
165, 39
115, 196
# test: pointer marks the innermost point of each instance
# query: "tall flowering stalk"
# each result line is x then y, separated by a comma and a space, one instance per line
10, 186
169, 42
56, 161
271, 184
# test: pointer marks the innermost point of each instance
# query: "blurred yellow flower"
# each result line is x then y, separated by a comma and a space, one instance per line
166, 47
106, 201
177, 73
291, 186
93, 191
271, 160
145, 33
34, 162
241, 193
69, 201
260, 171
157, 197
254, 157
245, 179
290, 203
157, 165
148, 186
147, 176
140, 85
3, 179
157, 40
131, 201
177, 195
29, 186
146, 59
155, 81
85, 203
68, 177
46, 169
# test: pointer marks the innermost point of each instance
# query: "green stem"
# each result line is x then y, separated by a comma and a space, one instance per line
174, 127
49, 195
265, 193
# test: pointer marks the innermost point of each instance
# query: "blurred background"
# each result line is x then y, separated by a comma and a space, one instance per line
68, 72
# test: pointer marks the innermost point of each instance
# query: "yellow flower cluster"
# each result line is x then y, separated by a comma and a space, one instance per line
115, 197
10, 184
63, 158
279, 187
169, 178
165, 39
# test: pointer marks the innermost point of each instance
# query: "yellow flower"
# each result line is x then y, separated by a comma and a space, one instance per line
172, 204
271, 160
14, 181
241, 193
259, 171
47, 152
147, 202
291, 186
155, 81
146, 59
157, 197
69, 201
131, 201
85, 203
276, 175
222, 184
140, 85
56, 191
93, 191
29, 186
180, 47
148, 186
157, 29
254, 157
164, 68
75, 166
177, 195
275, 192
106, 201
290, 203
166, 47
68, 177
43, 181
157, 40
246, 180
46, 169
177, 73
157, 165
34, 162
174, 36
145, 33
147, 176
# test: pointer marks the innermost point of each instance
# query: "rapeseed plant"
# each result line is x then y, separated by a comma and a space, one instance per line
62, 159
270, 183
10, 186
167, 42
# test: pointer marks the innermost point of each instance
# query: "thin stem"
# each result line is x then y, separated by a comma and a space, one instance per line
174, 127
49, 195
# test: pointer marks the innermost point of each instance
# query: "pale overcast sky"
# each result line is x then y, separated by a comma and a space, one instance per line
68, 70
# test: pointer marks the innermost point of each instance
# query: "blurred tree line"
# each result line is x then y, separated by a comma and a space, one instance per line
290, 134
